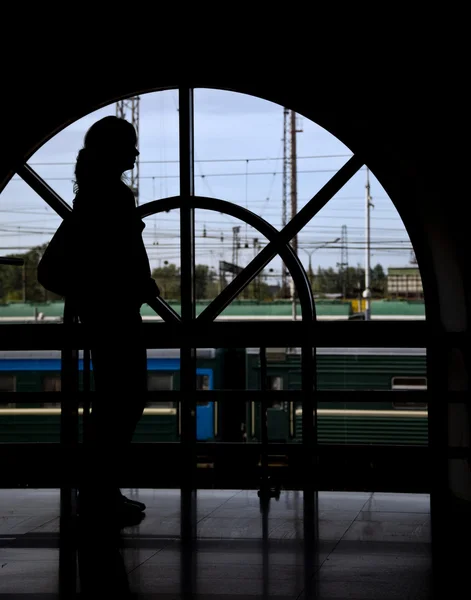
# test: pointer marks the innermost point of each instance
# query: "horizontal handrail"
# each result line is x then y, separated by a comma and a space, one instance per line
241, 334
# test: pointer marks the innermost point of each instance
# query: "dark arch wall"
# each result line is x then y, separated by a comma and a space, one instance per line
403, 145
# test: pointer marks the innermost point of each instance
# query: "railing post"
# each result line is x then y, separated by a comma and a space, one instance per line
68, 455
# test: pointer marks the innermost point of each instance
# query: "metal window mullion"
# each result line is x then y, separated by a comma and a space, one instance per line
68, 448
44, 190
187, 355
310, 450
264, 422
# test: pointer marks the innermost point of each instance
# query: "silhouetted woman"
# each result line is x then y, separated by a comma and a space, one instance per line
112, 279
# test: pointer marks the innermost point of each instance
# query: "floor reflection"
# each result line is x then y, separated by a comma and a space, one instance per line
100, 545
330, 544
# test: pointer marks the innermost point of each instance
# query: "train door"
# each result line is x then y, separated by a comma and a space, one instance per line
278, 412
204, 410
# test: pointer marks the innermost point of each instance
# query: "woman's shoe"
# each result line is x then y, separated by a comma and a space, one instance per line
134, 503
127, 515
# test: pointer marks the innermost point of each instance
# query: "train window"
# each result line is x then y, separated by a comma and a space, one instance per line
202, 383
51, 383
276, 354
275, 383
7, 384
409, 383
159, 382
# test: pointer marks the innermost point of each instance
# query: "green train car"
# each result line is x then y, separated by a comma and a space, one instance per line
366, 369
341, 369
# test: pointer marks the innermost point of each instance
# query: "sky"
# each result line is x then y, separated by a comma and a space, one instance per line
238, 152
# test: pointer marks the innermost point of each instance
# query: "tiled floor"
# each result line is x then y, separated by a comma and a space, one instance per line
367, 546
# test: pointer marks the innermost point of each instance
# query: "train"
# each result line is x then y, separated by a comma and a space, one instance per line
338, 369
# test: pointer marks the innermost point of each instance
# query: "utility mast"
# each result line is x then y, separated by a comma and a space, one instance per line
343, 264
290, 181
286, 154
368, 205
294, 176
129, 109
235, 245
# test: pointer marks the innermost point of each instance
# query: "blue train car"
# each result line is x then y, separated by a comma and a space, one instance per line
39, 371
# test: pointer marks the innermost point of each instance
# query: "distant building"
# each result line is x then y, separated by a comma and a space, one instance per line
405, 282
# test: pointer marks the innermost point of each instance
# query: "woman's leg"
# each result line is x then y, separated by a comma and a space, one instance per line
119, 360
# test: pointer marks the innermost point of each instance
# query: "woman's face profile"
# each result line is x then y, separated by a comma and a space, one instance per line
126, 151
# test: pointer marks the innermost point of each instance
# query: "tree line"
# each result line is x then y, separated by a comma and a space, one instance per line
20, 284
